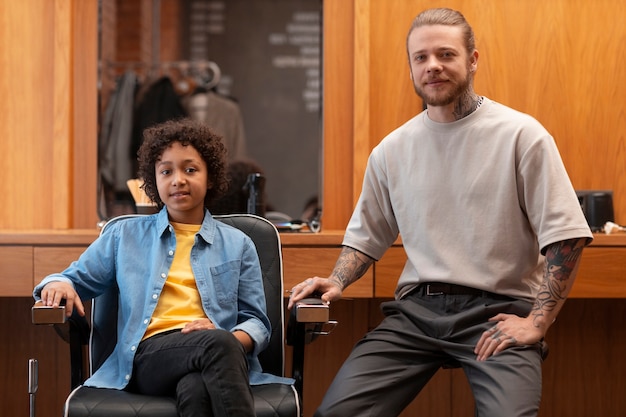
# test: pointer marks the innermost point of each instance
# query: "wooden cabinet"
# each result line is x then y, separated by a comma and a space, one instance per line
16, 278
602, 272
588, 327
28, 256
48, 259
304, 262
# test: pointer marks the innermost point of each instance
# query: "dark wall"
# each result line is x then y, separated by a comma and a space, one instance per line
269, 54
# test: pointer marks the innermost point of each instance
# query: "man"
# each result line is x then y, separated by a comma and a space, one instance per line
493, 233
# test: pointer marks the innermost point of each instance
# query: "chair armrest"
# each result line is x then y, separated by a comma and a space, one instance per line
307, 320
43, 314
311, 310
73, 330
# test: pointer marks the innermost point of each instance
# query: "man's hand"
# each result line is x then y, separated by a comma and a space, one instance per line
54, 292
350, 266
329, 289
509, 330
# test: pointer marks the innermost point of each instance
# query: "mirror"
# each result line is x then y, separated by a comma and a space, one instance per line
253, 67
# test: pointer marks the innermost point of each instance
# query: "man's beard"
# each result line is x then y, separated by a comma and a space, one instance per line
444, 100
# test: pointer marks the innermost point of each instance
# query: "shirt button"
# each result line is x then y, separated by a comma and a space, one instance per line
171, 252
145, 321
163, 276
154, 296
127, 377
132, 348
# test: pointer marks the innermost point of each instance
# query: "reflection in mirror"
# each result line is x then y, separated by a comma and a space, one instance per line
251, 69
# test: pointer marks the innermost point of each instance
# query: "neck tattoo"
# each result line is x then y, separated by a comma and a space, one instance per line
465, 108
479, 102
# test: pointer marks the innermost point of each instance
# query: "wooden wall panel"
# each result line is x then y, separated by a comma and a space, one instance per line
585, 372
22, 341
326, 354
338, 158
566, 68
83, 132
48, 85
560, 61
26, 113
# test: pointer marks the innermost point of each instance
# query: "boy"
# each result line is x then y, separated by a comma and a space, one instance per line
191, 294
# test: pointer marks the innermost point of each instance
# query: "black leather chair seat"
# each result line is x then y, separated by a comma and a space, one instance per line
98, 402
271, 400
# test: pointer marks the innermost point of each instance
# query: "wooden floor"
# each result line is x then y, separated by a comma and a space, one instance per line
584, 375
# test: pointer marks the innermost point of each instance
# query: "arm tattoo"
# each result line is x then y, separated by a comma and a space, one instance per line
350, 266
561, 259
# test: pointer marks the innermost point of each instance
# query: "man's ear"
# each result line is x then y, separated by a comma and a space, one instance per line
473, 61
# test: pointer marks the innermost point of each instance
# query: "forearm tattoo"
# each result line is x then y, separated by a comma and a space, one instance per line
561, 259
350, 266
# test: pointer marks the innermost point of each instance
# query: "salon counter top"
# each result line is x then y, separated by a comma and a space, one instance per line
28, 255
324, 238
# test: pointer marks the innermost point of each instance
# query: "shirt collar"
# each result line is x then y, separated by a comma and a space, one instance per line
207, 229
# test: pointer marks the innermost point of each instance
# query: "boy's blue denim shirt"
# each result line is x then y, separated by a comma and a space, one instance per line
137, 254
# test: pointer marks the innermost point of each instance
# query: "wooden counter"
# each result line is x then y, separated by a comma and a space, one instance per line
602, 272
588, 328
28, 256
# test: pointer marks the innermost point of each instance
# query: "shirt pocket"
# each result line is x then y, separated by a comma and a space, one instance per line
225, 279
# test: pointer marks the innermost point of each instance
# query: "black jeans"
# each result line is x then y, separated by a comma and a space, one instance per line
206, 371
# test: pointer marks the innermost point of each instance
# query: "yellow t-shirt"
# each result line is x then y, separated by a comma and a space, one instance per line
180, 301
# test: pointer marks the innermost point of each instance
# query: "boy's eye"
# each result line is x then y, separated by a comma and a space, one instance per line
165, 172
191, 170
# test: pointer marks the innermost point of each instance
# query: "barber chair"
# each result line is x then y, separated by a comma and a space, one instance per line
91, 342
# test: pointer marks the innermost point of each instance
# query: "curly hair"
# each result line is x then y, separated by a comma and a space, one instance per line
156, 139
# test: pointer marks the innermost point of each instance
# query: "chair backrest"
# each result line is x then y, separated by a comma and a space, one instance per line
267, 241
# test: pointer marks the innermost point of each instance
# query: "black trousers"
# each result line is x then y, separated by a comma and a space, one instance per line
205, 370
420, 334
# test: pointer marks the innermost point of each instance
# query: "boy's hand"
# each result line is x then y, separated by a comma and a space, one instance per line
54, 292
200, 324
